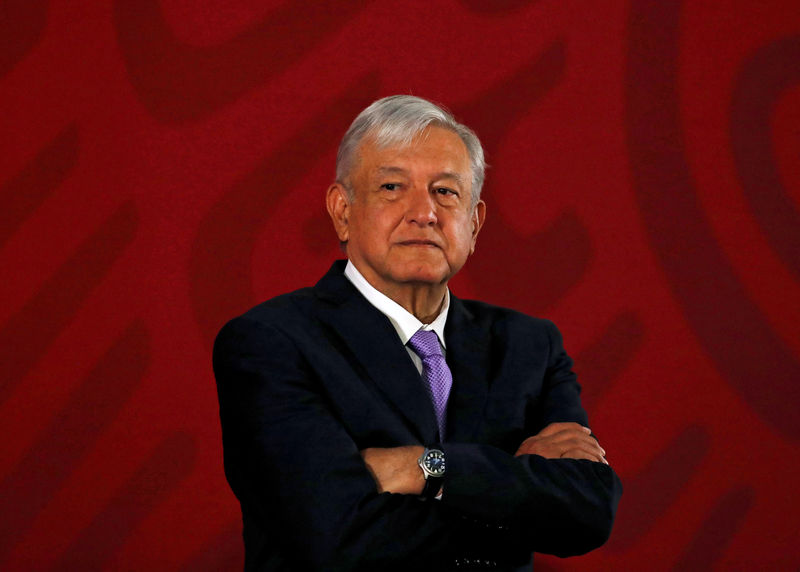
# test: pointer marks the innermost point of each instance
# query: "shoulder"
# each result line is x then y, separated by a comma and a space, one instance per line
302, 306
291, 305
498, 318
274, 317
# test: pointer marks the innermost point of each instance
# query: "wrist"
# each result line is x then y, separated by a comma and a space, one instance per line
416, 476
432, 466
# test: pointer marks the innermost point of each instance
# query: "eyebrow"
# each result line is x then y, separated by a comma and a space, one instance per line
442, 175
392, 171
450, 175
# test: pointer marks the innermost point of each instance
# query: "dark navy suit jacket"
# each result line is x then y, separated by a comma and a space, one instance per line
308, 379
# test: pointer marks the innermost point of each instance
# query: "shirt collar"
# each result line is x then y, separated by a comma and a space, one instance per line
403, 321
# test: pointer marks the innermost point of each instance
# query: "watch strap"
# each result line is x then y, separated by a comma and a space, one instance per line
432, 487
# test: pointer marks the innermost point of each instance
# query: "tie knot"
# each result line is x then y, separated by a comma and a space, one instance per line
425, 343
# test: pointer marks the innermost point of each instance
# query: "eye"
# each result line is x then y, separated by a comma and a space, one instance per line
390, 186
445, 191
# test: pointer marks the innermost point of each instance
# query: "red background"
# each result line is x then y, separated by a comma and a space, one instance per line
163, 167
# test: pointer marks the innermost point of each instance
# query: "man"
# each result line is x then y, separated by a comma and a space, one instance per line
376, 420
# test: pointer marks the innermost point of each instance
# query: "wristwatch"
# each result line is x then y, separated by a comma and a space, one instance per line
432, 464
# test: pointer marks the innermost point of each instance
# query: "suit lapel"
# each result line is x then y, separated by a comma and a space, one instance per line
375, 347
468, 351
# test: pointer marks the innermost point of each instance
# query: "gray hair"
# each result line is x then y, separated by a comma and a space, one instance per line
397, 120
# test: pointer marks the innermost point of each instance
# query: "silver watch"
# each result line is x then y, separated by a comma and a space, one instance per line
433, 466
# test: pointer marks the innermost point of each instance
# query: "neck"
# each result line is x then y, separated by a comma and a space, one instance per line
424, 301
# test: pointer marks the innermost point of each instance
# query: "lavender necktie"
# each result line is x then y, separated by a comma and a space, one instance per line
426, 345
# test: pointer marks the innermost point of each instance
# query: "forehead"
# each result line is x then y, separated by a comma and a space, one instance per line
435, 149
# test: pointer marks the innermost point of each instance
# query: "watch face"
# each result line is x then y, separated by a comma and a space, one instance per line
434, 462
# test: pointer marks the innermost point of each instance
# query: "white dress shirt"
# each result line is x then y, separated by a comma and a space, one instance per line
405, 323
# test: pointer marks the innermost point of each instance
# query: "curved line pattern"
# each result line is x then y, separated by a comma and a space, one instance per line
223, 552
717, 531
26, 336
27, 490
650, 493
220, 264
768, 73
744, 348
177, 83
559, 255
495, 7
26, 191
22, 23
156, 479
607, 356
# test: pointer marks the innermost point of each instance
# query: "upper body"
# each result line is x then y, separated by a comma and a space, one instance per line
324, 412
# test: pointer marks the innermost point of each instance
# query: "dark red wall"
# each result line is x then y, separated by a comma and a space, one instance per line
162, 168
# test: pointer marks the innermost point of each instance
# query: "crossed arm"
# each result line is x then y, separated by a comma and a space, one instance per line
395, 469
295, 467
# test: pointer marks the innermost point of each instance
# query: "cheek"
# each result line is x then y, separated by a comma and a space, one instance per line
461, 240
375, 233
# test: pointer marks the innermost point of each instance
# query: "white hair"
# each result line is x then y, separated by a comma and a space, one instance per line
397, 120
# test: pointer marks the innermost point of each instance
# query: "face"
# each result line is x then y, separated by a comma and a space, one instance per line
411, 220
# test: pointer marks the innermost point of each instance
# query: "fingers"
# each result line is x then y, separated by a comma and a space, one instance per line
563, 440
524, 448
561, 449
568, 439
583, 454
554, 428
590, 449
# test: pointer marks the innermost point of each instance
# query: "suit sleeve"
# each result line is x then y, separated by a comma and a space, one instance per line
561, 506
290, 461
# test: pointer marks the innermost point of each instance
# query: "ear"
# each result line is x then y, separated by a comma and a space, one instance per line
478, 217
339, 210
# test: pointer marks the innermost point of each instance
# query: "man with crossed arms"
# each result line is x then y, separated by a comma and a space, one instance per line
377, 420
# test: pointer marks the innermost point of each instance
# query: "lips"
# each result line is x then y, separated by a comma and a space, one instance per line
419, 242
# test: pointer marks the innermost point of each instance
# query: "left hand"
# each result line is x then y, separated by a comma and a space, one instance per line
563, 441
395, 469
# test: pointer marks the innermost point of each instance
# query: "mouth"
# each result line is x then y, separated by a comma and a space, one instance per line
419, 242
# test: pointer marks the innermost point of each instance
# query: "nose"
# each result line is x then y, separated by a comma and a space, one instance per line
421, 208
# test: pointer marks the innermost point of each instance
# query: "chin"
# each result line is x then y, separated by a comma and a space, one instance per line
425, 270
424, 275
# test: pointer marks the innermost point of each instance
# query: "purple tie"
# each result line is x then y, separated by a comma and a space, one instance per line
426, 345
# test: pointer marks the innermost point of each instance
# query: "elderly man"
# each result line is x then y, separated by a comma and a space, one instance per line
376, 420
